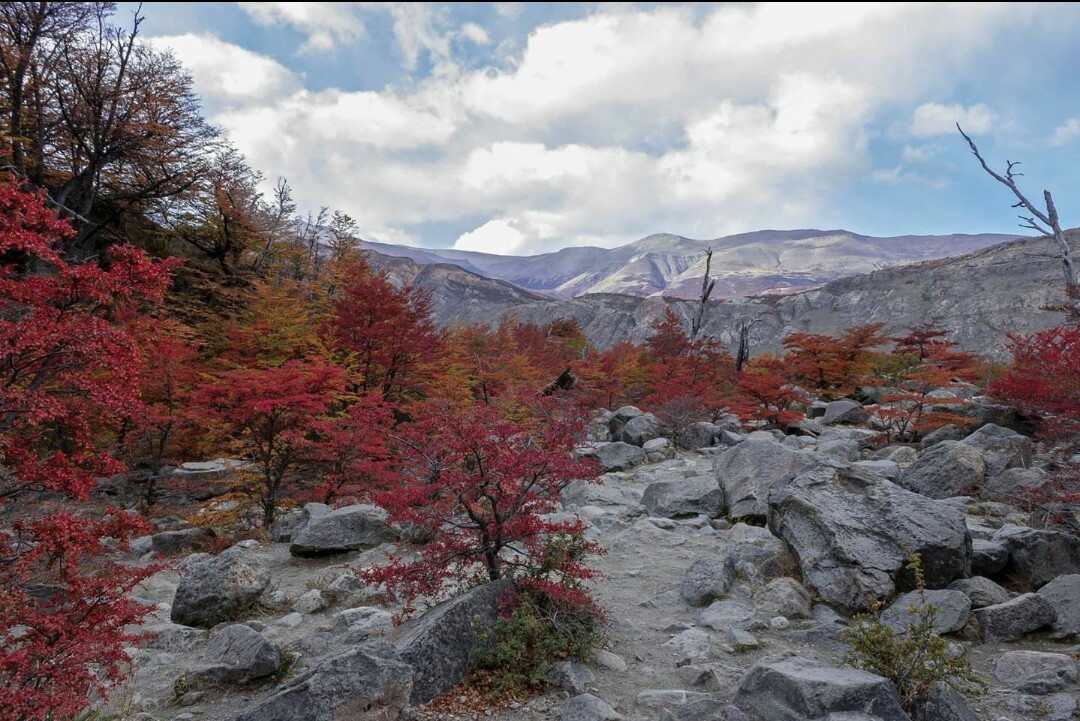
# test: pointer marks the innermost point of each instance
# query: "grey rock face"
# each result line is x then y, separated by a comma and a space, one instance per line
952, 610
439, 645
587, 707
699, 435
798, 689
981, 591
171, 637
1063, 595
359, 624
1037, 556
725, 615
947, 432
1010, 620
183, 541
365, 683
236, 655
218, 588
943, 703
947, 469
639, 429
1036, 672
615, 456
750, 471
844, 411
784, 597
345, 529
708, 579
852, 534
690, 496
1002, 448
598, 428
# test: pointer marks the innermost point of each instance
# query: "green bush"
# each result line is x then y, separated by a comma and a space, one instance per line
914, 661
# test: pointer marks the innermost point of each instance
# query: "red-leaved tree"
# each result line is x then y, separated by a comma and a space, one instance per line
478, 485
765, 394
1045, 378
353, 451
272, 414
68, 379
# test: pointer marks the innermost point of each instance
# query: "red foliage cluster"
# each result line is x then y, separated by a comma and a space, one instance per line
1045, 378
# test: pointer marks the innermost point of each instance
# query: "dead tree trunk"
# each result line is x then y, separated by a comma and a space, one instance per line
742, 355
1046, 222
707, 286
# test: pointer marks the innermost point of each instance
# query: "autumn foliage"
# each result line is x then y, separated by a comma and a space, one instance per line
1045, 378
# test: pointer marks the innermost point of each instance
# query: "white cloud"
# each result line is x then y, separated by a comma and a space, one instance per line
614, 125
937, 119
1065, 133
226, 73
326, 23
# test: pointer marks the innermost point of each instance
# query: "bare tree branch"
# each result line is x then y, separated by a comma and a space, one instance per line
707, 286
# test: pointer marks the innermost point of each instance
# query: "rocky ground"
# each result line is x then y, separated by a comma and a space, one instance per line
730, 573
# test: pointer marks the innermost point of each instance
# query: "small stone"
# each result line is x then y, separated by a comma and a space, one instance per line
609, 660
779, 623
290, 620
571, 676
722, 615
742, 640
691, 643
310, 602
658, 698
587, 707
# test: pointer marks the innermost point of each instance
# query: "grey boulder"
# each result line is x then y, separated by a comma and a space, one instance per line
699, 435
942, 703
988, 557
620, 417
981, 591
587, 707
440, 645
639, 429
947, 469
1035, 672
948, 432
798, 689
344, 529
1013, 484
1010, 620
365, 683
784, 597
1002, 448
852, 535
708, 579
615, 456
571, 676
1038, 556
951, 610
687, 497
218, 588
236, 655
182, 541
752, 470
1063, 595
844, 411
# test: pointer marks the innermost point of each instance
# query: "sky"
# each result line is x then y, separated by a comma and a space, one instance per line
523, 128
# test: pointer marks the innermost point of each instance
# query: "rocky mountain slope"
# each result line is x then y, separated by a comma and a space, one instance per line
766, 261
979, 297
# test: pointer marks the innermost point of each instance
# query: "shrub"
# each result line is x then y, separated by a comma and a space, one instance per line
913, 661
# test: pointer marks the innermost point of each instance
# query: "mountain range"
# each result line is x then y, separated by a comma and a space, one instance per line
762, 262
979, 297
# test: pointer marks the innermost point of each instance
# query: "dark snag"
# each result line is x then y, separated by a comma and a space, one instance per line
565, 381
707, 286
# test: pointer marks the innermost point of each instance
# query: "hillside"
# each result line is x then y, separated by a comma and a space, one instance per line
979, 296
766, 261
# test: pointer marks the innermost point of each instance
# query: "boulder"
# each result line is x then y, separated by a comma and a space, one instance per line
1035, 672
844, 411
852, 535
1010, 620
865, 437
942, 703
236, 655
571, 676
172, 637
950, 468
1001, 448
988, 557
621, 417
799, 689
725, 615
699, 435
889, 470
365, 683
658, 449
1015, 483
902, 456
606, 493
953, 609
947, 432
344, 529
845, 450
598, 428
615, 456
1063, 595
440, 644
359, 624
639, 429
183, 541
708, 579
1038, 556
587, 707
311, 601
784, 597
752, 470
981, 591
218, 588
698, 495
691, 643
